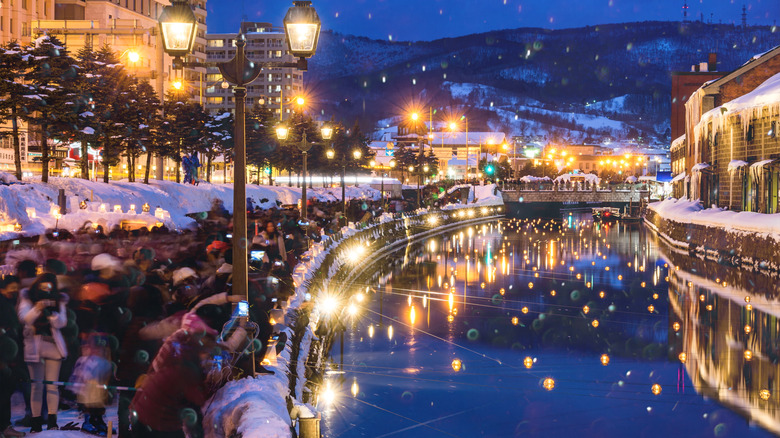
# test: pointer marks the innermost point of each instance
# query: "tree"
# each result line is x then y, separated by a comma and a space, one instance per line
51, 78
219, 138
543, 169
12, 89
262, 147
144, 119
182, 128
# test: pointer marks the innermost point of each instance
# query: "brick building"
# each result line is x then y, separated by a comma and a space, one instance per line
684, 84
732, 149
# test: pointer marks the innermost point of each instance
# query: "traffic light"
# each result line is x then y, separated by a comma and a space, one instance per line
489, 169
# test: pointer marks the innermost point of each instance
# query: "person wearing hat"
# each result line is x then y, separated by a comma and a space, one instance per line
96, 299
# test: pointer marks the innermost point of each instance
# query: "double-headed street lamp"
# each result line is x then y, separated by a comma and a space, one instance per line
178, 26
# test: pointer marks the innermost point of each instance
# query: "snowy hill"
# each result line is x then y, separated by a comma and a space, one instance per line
614, 72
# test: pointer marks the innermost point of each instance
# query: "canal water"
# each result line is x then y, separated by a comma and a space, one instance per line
552, 328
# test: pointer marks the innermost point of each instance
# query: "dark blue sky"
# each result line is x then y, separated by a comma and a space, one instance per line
431, 19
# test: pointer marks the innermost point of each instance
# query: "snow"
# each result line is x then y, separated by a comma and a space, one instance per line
684, 211
736, 165
699, 167
631, 179
532, 179
764, 100
88, 131
679, 177
177, 200
487, 195
589, 177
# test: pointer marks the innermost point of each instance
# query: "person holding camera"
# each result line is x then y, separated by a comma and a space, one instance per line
42, 311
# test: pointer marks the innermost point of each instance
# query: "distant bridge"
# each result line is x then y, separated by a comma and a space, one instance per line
576, 196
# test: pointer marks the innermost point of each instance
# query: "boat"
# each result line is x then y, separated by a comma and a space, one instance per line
606, 214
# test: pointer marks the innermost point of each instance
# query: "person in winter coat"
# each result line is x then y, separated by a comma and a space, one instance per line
11, 367
176, 386
42, 311
271, 241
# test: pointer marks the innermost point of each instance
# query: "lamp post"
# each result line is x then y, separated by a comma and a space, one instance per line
331, 154
178, 26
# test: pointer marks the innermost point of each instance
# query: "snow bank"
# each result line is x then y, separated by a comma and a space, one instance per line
684, 211
533, 179
487, 195
736, 165
32, 204
589, 177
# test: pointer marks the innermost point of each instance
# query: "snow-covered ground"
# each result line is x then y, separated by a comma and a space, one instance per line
33, 204
685, 211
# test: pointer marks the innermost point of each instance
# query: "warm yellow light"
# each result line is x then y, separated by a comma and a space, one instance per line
356, 154
605, 359
282, 132
133, 56
515, 320
528, 362
354, 389
683, 357
177, 84
656, 389
651, 308
453, 126
300, 101
748, 355
330, 154
585, 309
764, 394
457, 365
412, 315
415, 116
595, 323
549, 384
747, 329
676, 326
524, 310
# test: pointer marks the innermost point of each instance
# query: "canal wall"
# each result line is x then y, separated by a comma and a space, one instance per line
269, 405
746, 249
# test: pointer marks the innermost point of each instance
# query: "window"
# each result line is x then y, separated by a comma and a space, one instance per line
214, 100
24, 4
25, 29
749, 135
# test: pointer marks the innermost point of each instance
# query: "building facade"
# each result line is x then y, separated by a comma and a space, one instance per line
274, 88
683, 86
17, 16
732, 148
130, 28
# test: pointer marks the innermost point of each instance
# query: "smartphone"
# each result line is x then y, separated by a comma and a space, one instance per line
243, 309
257, 255
273, 300
275, 337
55, 234
229, 236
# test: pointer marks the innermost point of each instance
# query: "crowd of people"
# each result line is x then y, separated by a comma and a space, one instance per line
141, 317
144, 318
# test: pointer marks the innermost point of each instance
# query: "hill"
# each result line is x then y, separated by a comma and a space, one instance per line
597, 81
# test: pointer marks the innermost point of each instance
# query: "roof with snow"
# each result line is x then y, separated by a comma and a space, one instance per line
754, 62
474, 138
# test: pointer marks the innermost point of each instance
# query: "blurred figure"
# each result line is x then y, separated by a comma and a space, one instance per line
90, 376
42, 311
12, 372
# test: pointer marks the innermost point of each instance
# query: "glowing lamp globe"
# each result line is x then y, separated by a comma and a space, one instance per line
683, 357
178, 25
357, 154
764, 394
549, 384
330, 154
302, 29
605, 359
282, 132
133, 57
326, 132
528, 362
655, 389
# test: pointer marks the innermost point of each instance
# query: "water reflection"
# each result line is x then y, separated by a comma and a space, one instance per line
538, 328
728, 335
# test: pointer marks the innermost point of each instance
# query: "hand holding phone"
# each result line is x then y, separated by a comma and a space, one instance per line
243, 309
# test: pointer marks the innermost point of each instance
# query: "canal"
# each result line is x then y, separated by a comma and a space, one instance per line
550, 327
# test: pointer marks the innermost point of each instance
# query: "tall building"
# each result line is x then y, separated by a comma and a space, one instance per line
16, 17
684, 84
129, 27
275, 87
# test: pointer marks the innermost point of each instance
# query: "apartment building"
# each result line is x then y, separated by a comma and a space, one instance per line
275, 87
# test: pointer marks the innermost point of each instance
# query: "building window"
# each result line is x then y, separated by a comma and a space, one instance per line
25, 29
749, 135
24, 4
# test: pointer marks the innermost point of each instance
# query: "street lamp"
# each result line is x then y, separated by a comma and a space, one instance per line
178, 26
331, 154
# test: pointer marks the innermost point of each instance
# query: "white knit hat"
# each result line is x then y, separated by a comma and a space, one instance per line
182, 274
104, 261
